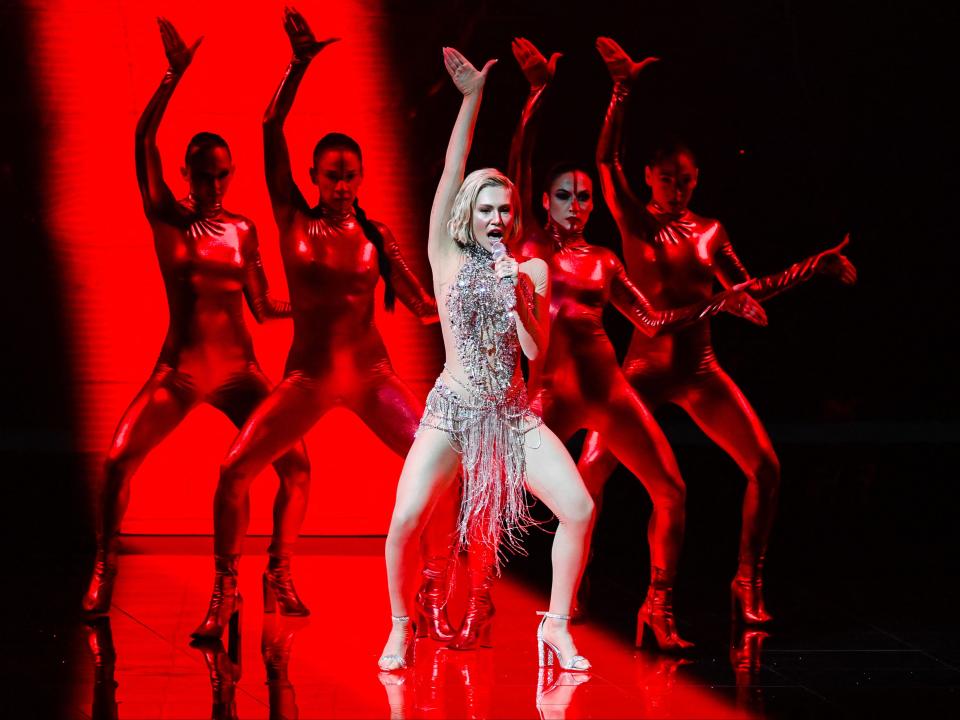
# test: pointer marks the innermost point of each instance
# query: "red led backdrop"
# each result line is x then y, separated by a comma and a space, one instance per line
97, 65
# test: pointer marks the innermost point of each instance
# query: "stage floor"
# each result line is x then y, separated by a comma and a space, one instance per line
139, 664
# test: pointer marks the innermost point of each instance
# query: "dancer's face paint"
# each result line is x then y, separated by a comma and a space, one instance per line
208, 173
570, 201
672, 181
493, 215
337, 175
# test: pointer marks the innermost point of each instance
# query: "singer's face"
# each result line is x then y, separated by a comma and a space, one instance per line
492, 215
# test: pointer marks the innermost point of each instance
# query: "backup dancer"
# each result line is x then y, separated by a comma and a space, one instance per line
333, 256
210, 261
675, 257
579, 383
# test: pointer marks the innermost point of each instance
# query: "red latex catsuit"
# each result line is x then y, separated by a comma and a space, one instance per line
210, 262
579, 383
337, 358
676, 258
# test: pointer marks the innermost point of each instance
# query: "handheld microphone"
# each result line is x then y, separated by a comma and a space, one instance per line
498, 250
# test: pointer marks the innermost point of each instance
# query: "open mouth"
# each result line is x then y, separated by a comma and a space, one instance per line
495, 234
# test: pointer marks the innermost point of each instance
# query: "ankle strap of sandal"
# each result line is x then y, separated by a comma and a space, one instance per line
400, 618
555, 616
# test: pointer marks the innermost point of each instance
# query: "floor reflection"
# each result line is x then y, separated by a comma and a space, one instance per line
276, 647
138, 664
555, 691
746, 657
444, 683
656, 677
100, 642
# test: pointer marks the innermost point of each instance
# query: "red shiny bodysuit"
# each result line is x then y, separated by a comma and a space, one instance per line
677, 259
579, 383
338, 358
210, 262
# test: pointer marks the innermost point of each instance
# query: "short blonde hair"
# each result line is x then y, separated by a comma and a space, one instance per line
460, 224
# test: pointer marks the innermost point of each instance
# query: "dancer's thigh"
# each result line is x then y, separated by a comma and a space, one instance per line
635, 438
152, 415
722, 411
238, 399
552, 476
391, 410
278, 423
560, 413
429, 469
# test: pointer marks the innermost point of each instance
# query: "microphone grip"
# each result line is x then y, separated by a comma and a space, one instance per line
498, 250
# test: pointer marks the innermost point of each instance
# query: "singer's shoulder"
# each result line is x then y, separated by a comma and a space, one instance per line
536, 269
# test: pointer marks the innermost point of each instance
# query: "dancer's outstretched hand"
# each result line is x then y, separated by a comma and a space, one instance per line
178, 54
834, 263
465, 76
740, 303
621, 66
536, 68
305, 45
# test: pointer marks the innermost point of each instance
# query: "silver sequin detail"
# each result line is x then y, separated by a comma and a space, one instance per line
488, 414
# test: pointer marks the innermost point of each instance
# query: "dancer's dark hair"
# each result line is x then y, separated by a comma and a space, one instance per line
204, 141
669, 148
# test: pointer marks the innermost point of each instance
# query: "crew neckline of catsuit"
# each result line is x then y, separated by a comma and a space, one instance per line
671, 224
214, 212
322, 212
564, 239
665, 216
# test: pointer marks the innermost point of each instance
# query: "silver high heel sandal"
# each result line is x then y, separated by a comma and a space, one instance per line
546, 650
394, 662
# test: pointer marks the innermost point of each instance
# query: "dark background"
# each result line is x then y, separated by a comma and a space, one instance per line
810, 120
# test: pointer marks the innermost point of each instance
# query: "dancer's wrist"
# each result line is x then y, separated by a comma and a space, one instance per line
621, 89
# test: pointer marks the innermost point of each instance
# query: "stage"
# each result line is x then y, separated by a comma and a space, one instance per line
810, 120
865, 623
138, 664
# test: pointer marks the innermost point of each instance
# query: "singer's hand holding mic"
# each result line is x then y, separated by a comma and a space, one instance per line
506, 268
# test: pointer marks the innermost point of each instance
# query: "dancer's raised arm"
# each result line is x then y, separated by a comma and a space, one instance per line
539, 72
635, 306
469, 82
155, 193
285, 197
621, 200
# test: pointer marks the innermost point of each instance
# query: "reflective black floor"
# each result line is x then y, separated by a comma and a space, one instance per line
860, 578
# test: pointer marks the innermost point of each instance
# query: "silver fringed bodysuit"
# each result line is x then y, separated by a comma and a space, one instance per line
486, 414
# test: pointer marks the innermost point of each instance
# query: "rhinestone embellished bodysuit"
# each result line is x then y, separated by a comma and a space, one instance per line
487, 413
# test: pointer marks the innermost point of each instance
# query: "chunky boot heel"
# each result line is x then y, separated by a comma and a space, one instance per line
279, 594
225, 603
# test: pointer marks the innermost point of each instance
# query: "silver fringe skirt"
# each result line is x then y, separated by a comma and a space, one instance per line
489, 433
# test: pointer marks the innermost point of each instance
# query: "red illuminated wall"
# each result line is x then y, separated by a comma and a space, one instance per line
97, 65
